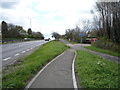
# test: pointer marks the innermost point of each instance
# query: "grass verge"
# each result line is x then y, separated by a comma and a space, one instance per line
24, 71
95, 72
102, 51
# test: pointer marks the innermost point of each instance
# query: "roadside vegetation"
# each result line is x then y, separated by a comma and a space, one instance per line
96, 72
105, 27
107, 44
102, 50
14, 40
31, 64
11, 33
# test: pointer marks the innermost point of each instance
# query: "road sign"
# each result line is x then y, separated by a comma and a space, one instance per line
81, 34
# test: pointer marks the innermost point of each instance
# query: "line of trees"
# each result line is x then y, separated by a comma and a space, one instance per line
73, 34
106, 23
15, 31
107, 20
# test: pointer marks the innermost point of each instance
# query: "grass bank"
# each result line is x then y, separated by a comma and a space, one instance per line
31, 64
102, 50
95, 72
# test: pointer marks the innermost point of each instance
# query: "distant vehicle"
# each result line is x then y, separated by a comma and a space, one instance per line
93, 40
47, 39
25, 38
88, 41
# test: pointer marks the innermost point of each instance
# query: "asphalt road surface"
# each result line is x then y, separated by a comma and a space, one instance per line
58, 74
11, 52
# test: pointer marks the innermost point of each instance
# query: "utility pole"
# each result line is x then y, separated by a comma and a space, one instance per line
30, 22
81, 39
81, 42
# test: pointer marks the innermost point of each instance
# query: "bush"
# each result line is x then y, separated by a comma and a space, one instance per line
106, 44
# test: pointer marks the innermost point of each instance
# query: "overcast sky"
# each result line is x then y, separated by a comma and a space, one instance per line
47, 16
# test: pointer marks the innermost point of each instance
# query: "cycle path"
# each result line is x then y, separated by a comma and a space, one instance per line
57, 74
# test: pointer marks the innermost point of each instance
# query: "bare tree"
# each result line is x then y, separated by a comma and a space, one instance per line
87, 25
108, 20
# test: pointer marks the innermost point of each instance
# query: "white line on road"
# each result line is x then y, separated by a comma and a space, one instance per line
23, 51
17, 54
31, 82
6, 59
73, 73
31, 48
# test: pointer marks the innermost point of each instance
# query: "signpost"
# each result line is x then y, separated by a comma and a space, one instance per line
81, 39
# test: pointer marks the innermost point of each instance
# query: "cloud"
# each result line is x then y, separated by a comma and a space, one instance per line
9, 4
46, 16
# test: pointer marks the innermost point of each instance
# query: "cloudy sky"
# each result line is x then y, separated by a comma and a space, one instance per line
46, 16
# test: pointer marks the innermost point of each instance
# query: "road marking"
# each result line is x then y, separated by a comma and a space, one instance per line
23, 51
31, 82
17, 54
6, 59
73, 73
31, 48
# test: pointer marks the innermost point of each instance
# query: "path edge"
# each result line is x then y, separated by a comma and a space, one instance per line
73, 72
34, 78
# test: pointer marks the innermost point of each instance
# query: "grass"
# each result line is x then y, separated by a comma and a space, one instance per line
96, 72
24, 71
102, 51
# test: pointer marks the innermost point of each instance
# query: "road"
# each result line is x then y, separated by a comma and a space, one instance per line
11, 52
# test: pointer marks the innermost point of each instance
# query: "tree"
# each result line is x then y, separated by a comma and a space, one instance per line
38, 35
14, 31
23, 32
73, 34
108, 14
56, 35
86, 24
69, 34
4, 29
29, 31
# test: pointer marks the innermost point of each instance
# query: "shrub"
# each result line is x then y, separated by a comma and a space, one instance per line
106, 44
